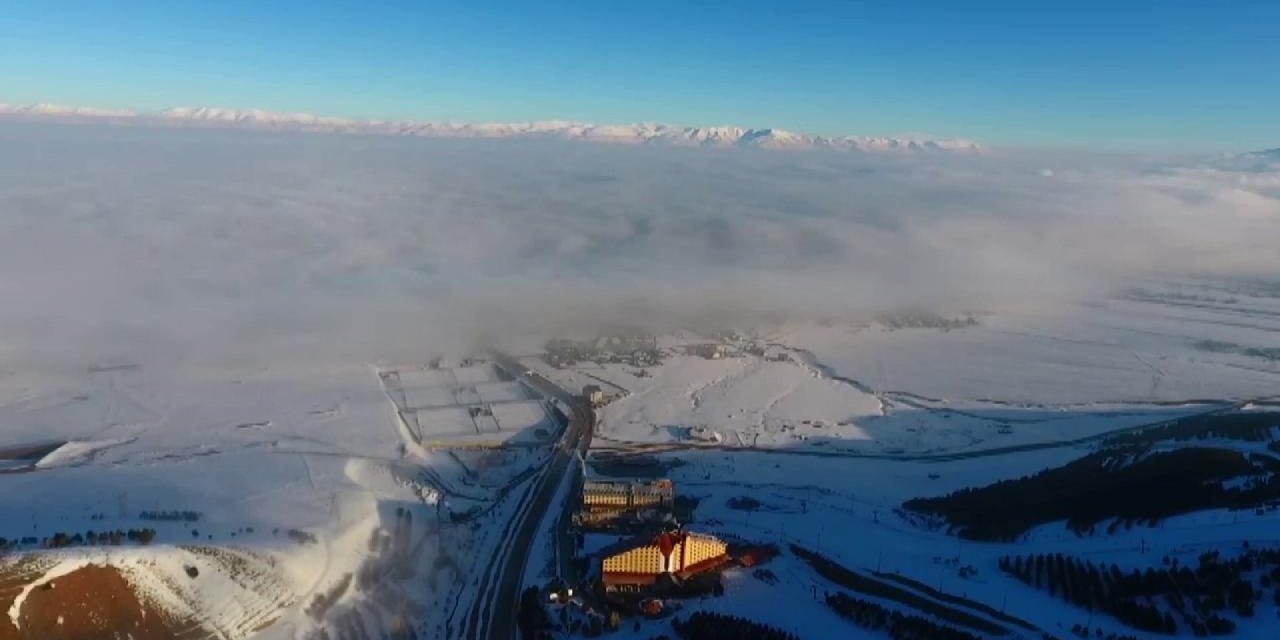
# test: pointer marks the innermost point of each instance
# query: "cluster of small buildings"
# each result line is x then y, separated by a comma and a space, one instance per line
711, 350
670, 556
767, 352
721, 350
638, 350
703, 433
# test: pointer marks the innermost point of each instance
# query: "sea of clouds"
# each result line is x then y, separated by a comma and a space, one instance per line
168, 244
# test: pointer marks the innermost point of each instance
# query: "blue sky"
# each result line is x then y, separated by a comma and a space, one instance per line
1167, 74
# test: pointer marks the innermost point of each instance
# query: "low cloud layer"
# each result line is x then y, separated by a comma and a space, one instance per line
140, 243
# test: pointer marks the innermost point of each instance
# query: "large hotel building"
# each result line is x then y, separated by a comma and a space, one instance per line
680, 554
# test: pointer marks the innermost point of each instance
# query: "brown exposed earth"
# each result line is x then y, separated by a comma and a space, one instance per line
90, 603
23, 457
33, 451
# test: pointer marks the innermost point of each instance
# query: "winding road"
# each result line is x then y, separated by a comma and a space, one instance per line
493, 611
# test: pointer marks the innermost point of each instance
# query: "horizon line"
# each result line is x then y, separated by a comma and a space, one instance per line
640, 131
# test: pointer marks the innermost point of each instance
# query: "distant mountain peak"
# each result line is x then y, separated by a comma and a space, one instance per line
639, 133
57, 110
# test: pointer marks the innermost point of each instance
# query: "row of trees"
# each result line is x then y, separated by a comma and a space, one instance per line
704, 625
1082, 631
876, 588
1132, 484
301, 537
532, 618
1198, 596
899, 626
1248, 427
171, 516
61, 540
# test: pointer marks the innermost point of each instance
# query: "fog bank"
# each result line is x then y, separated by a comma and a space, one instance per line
142, 244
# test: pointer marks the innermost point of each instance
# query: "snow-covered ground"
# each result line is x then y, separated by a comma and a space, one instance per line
1008, 380
140, 413
1119, 351
745, 400
302, 478
326, 478
912, 412
467, 405
846, 509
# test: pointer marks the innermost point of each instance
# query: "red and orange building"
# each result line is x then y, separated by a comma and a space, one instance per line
678, 554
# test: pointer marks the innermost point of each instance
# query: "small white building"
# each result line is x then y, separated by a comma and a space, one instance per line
594, 394
703, 433
711, 351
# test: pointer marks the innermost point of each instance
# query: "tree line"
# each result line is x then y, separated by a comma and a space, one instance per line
705, 625
532, 618
62, 540
857, 582
1130, 485
899, 626
1198, 596
1246, 427
170, 516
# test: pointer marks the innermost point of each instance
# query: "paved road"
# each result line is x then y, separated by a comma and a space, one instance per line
622, 448
493, 612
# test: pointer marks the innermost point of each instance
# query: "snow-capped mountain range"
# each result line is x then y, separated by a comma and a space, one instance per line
642, 133
57, 110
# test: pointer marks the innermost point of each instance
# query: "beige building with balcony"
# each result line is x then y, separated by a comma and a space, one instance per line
604, 501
